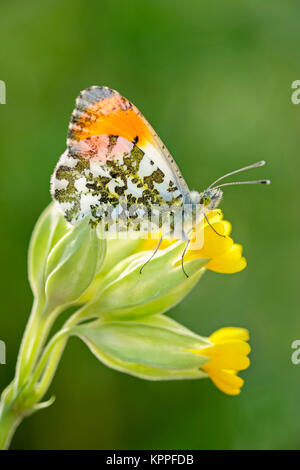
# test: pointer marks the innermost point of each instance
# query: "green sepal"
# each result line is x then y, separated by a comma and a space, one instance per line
117, 250
50, 227
72, 265
127, 293
153, 348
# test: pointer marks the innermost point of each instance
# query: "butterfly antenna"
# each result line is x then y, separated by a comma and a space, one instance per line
243, 182
249, 167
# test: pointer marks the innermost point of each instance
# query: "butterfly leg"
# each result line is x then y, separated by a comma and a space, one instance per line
205, 216
153, 254
185, 237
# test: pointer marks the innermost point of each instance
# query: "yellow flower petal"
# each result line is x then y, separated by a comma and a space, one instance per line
228, 333
151, 243
215, 214
229, 262
228, 354
227, 381
212, 244
227, 228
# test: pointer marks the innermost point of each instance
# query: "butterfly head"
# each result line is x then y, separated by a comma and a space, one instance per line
210, 198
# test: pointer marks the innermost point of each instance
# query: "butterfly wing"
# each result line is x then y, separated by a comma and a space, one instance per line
101, 110
113, 155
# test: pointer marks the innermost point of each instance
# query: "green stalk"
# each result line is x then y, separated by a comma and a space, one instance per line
9, 421
13, 405
33, 375
55, 348
35, 335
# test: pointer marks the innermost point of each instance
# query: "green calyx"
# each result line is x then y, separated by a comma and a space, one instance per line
152, 348
119, 311
63, 261
126, 292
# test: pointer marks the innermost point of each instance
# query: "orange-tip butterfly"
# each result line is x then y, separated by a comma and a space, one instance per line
117, 170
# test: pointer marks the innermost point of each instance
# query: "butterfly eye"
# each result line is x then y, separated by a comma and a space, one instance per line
205, 200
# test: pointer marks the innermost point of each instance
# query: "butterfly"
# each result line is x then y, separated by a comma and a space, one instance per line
117, 170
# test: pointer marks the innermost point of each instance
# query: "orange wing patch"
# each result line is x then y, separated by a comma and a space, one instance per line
102, 111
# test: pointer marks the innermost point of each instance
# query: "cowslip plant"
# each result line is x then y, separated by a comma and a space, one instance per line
119, 312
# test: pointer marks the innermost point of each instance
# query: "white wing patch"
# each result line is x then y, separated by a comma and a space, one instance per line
80, 185
89, 179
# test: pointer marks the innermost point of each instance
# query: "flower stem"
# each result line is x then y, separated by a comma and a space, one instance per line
53, 352
35, 370
9, 421
35, 335
14, 405
56, 343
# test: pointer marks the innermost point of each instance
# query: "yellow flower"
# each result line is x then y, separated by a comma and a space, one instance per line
228, 355
222, 254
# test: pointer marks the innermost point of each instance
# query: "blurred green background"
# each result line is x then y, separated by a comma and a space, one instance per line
215, 82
